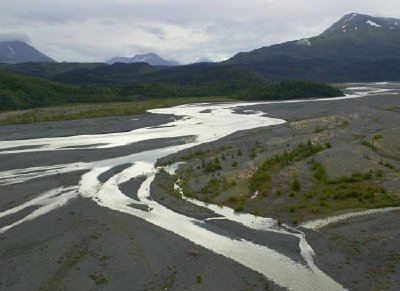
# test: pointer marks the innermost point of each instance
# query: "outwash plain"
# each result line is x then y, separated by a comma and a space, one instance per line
329, 157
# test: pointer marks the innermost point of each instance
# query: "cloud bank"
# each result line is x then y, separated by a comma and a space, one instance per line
185, 30
14, 36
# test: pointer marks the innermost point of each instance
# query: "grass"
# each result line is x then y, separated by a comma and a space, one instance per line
198, 154
79, 111
295, 185
261, 178
99, 279
199, 279
358, 190
393, 108
74, 259
379, 173
285, 187
319, 129
387, 165
212, 166
370, 144
323, 195
256, 182
255, 149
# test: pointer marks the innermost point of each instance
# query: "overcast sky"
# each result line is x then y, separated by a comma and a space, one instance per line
184, 30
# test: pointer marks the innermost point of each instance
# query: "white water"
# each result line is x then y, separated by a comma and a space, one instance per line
218, 121
320, 223
45, 203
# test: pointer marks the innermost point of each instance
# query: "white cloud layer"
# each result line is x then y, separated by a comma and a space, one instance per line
185, 30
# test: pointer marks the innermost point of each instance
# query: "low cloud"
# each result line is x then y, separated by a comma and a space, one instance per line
14, 36
92, 30
157, 31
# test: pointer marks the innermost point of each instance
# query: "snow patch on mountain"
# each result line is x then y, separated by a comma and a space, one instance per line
150, 58
304, 41
373, 23
15, 51
11, 49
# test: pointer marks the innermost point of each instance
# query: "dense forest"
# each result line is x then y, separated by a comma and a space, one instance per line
27, 88
23, 92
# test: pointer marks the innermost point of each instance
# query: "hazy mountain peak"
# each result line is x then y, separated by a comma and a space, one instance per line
16, 51
149, 58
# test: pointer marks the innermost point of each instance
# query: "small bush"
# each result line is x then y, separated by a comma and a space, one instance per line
98, 279
199, 279
295, 185
239, 208
212, 166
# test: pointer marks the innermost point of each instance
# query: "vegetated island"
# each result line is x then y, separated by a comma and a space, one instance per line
317, 164
321, 163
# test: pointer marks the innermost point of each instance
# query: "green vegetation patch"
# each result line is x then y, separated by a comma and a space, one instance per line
358, 190
99, 279
260, 181
93, 110
22, 92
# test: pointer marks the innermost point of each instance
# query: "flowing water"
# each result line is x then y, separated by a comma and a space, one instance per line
200, 124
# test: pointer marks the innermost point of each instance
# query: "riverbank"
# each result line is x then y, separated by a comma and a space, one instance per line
96, 110
326, 159
88, 238
361, 252
363, 153
63, 240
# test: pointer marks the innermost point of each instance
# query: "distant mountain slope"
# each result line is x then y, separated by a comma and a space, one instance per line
150, 58
14, 52
122, 73
201, 73
24, 92
118, 73
48, 70
356, 48
125, 74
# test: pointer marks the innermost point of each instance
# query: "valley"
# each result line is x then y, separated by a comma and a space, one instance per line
109, 191
276, 166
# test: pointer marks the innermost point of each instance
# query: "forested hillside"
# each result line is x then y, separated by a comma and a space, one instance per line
23, 92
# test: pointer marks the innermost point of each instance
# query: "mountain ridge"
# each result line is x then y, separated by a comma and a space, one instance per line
149, 58
16, 51
349, 50
356, 48
355, 21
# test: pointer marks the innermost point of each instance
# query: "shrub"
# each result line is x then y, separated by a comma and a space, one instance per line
295, 185
378, 173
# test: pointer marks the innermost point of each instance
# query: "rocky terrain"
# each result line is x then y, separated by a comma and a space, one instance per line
337, 150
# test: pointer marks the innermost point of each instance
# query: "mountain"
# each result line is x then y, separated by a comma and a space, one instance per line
14, 52
203, 60
48, 70
128, 73
356, 48
150, 58
117, 73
